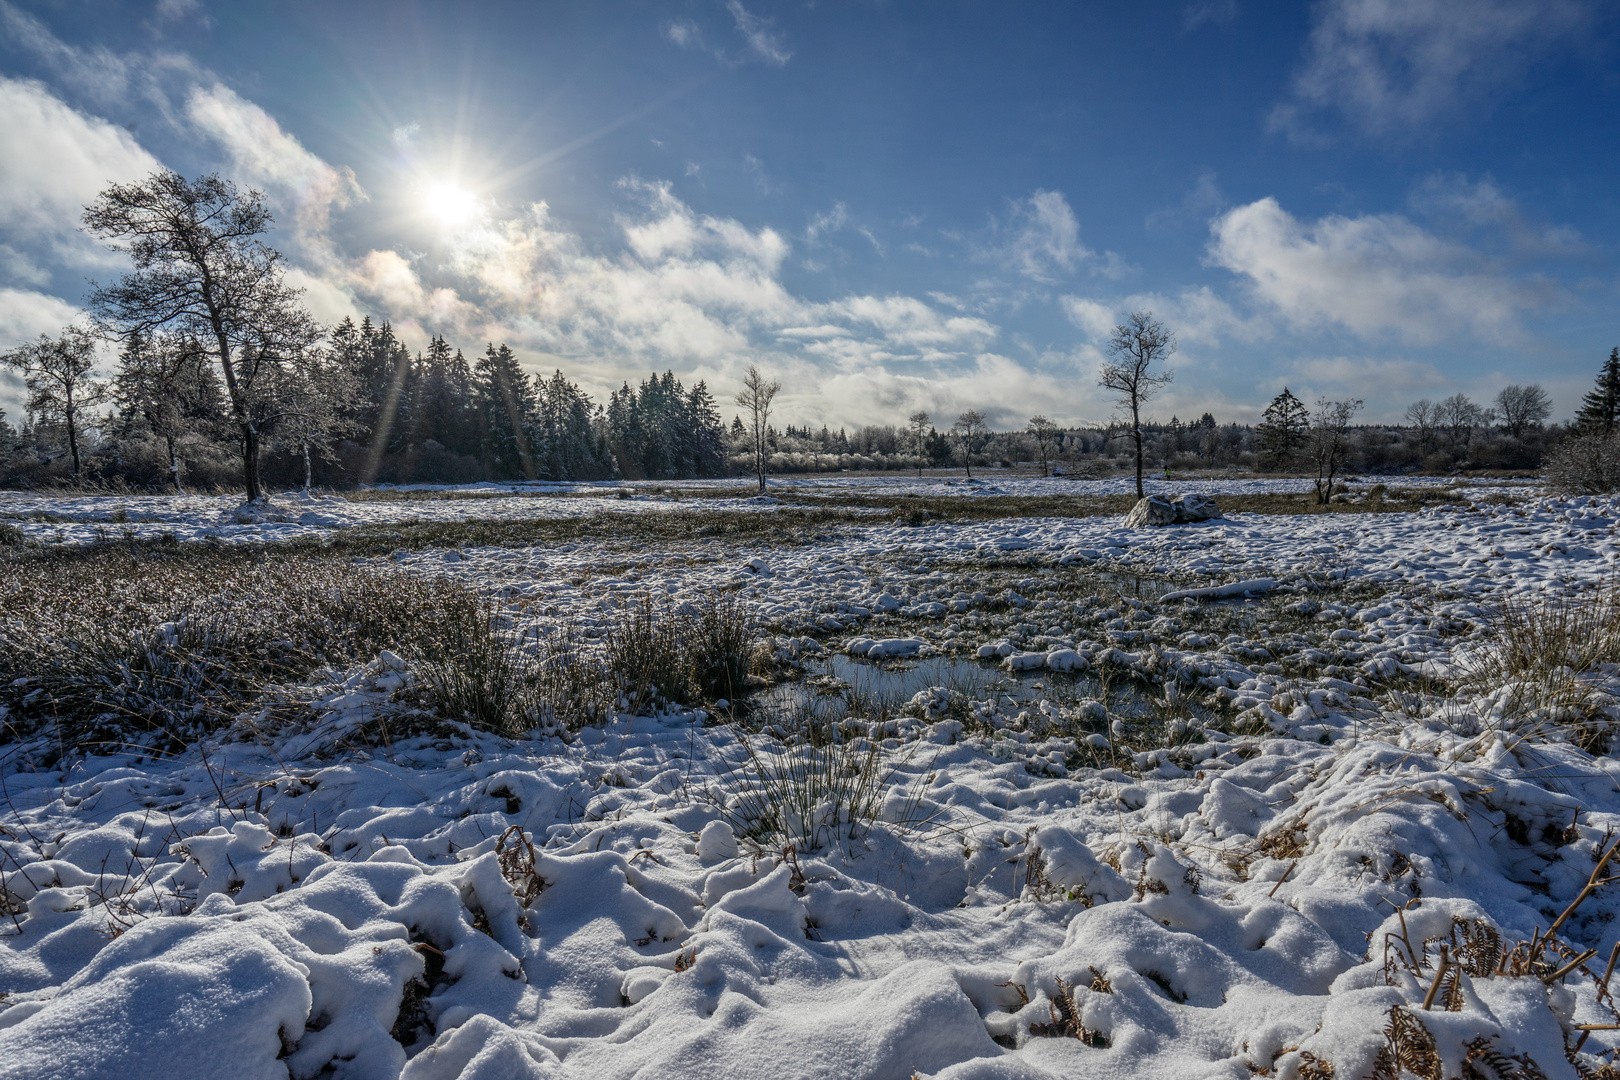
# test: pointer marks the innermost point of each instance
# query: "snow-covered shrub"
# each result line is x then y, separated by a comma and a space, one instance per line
1585, 464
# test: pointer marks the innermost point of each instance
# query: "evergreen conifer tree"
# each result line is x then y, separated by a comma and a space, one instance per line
1601, 408
1282, 430
505, 408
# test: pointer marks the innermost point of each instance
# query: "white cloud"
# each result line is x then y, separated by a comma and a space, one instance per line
831, 221
685, 33
1373, 275
1198, 317
99, 72
697, 293
26, 314
1041, 241
53, 161
1208, 13
106, 77
1398, 65
17, 265
176, 10
763, 42
1047, 236
1194, 315
262, 154
1452, 199
1095, 318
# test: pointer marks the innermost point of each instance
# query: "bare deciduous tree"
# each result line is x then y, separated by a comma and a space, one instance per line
61, 379
1045, 433
971, 433
1138, 343
1423, 415
917, 426
202, 271
1329, 444
1459, 417
755, 397
1522, 408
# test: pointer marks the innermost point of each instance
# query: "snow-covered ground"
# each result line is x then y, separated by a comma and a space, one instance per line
1044, 892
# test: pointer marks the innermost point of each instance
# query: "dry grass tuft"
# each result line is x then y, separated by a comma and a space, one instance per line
1544, 656
123, 645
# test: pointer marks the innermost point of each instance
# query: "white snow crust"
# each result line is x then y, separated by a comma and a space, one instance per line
269, 904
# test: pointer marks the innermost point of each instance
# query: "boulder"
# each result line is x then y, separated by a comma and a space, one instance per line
1153, 510
1164, 510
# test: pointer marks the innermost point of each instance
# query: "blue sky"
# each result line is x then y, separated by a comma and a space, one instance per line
889, 206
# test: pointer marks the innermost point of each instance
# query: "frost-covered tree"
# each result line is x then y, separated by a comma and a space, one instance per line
917, 428
755, 399
1587, 462
311, 408
60, 376
1423, 415
167, 383
1137, 344
970, 432
202, 270
1282, 431
1045, 434
1459, 416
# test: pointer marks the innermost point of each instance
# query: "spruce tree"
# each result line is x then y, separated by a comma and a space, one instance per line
1600, 408
505, 409
1282, 430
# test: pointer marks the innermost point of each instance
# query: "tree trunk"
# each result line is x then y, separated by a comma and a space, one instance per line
250, 461
306, 468
73, 444
1136, 437
174, 463
250, 431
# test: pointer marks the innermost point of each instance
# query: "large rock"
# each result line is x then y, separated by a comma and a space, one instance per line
1163, 510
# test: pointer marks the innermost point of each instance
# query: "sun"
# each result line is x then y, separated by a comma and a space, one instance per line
451, 205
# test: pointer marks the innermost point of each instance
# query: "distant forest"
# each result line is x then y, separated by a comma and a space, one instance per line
435, 417
430, 418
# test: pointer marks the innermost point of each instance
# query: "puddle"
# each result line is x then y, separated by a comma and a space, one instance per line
828, 688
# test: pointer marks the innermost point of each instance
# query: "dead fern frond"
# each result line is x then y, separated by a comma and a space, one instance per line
1066, 1019
1408, 1047
517, 865
1485, 1062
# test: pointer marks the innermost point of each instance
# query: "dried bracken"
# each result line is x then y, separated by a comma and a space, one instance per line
517, 860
